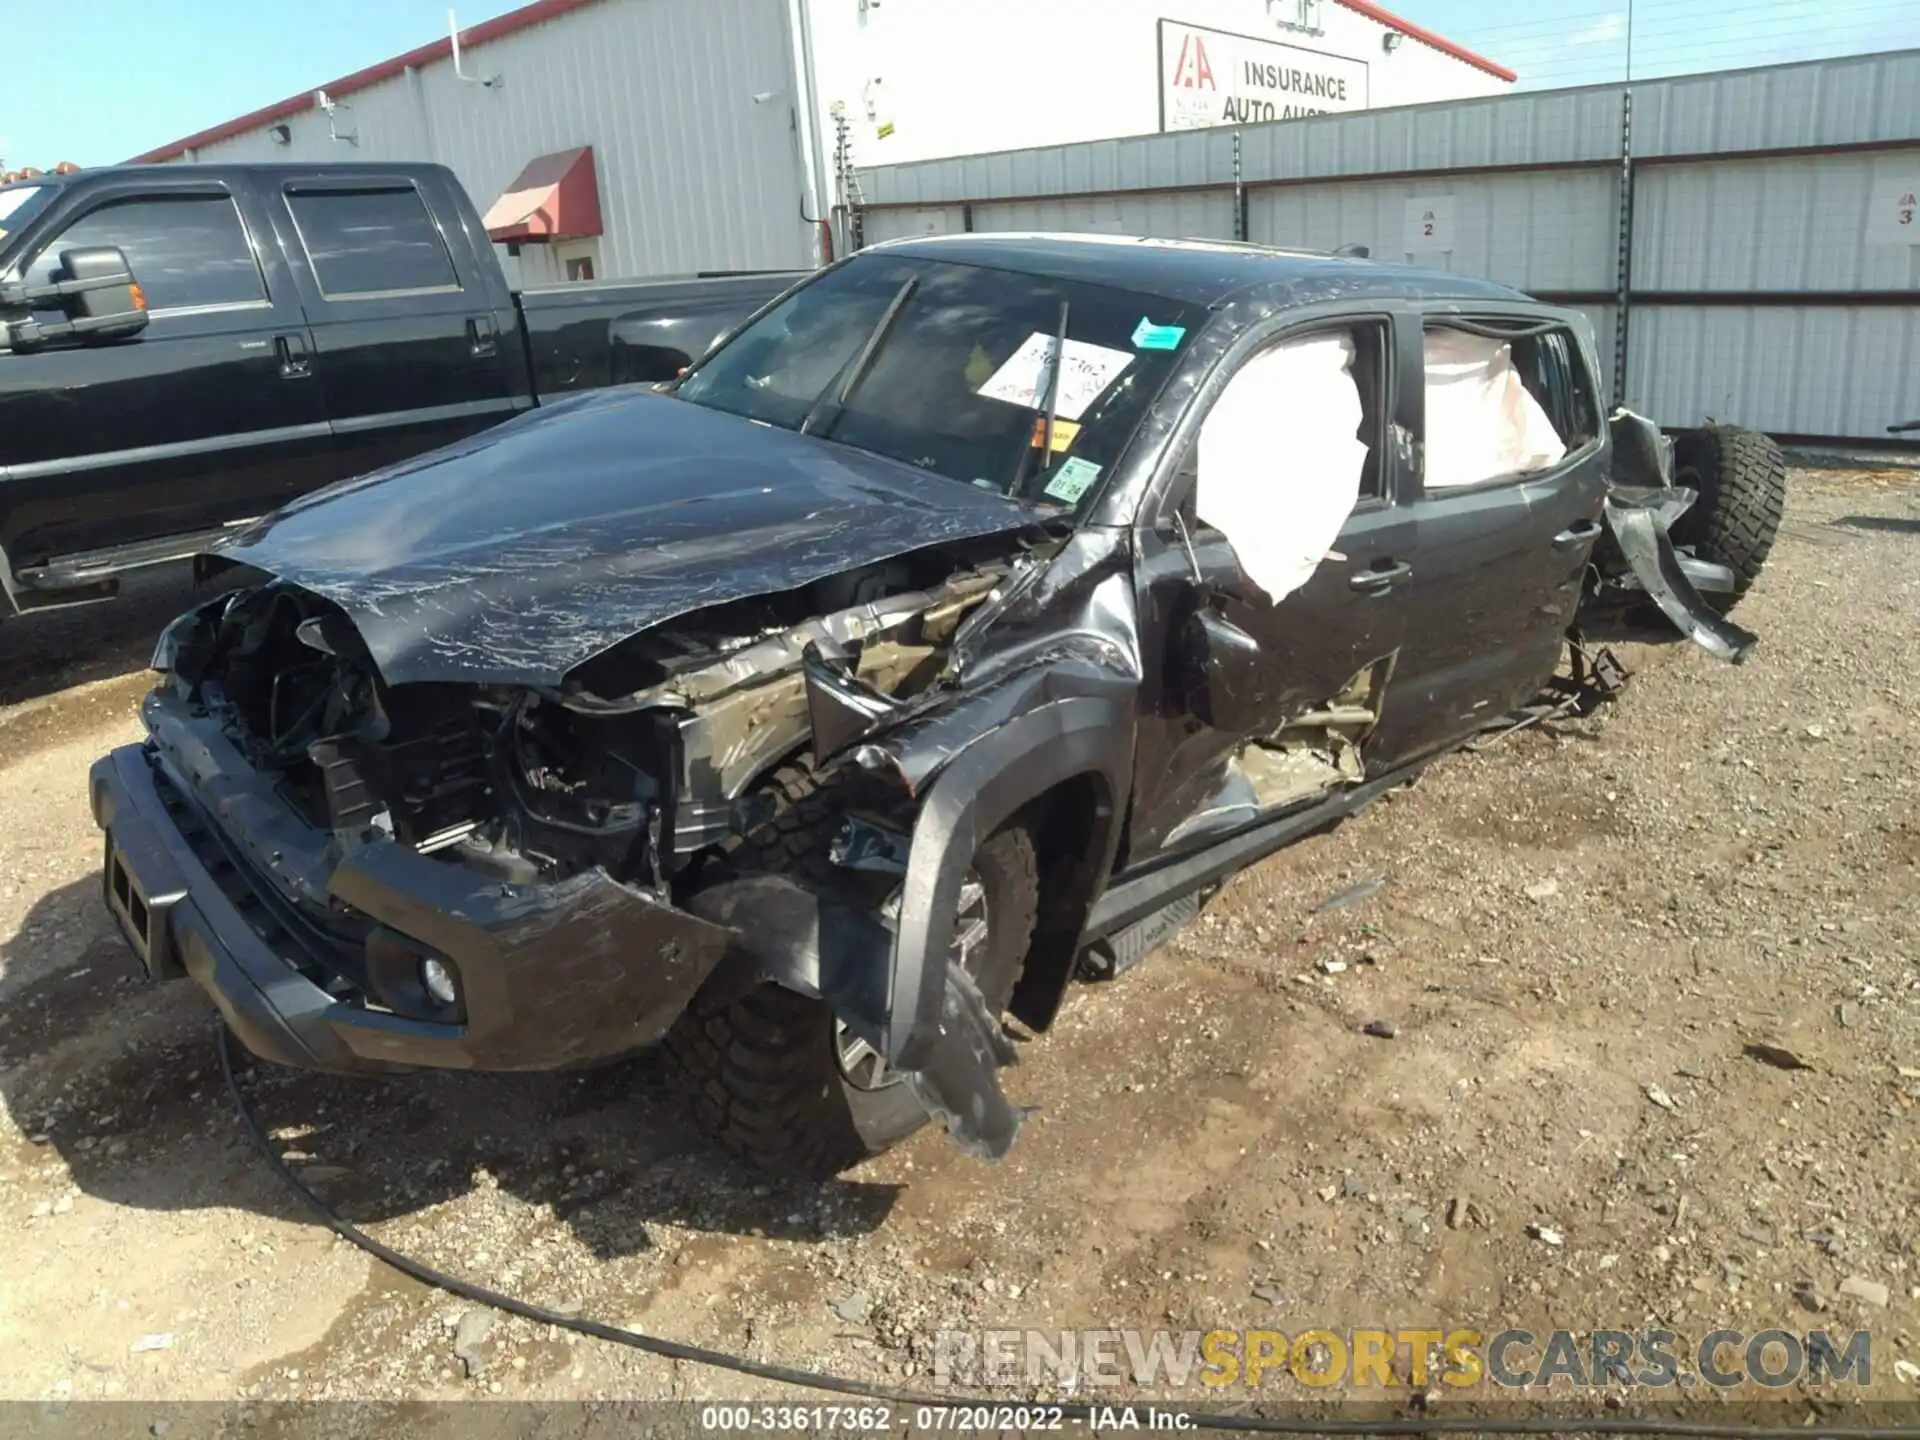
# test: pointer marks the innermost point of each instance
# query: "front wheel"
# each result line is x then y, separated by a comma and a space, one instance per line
779, 1081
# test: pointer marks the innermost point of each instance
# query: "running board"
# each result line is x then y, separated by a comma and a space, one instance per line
1112, 957
90, 567
1139, 897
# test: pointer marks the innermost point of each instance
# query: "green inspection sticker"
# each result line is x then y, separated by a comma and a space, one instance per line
1072, 480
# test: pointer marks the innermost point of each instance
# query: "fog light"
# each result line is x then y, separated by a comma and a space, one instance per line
438, 981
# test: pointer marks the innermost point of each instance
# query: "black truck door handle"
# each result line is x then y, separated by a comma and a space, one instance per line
1381, 577
296, 360
1575, 536
482, 338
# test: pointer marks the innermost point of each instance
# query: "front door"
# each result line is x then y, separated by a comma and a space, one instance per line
208, 416
1507, 514
1347, 615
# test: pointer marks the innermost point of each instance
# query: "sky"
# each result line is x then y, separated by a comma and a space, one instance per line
178, 66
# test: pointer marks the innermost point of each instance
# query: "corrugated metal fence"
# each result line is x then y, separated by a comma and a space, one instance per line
1738, 266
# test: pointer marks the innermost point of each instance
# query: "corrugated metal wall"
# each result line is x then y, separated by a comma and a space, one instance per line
693, 172
1756, 296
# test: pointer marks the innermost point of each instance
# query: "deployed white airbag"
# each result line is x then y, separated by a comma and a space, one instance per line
1482, 422
1280, 460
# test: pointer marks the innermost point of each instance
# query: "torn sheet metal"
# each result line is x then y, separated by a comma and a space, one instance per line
1647, 548
816, 945
516, 556
959, 1084
841, 707
1482, 422
1642, 453
811, 943
1280, 460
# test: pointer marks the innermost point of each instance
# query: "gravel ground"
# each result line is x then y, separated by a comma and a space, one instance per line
1572, 936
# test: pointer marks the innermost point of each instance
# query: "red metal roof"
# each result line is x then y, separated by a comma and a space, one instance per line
441, 49
555, 197
1427, 37
543, 10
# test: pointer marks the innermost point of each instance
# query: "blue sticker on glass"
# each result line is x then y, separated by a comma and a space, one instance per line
1149, 336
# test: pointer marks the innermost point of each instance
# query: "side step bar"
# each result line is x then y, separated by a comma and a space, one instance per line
1139, 897
90, 567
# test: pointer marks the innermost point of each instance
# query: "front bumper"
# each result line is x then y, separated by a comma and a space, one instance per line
206, 871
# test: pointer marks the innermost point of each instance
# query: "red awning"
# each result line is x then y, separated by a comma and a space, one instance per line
555, 198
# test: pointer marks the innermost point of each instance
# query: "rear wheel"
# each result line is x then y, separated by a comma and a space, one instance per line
774, 1076
1742, 479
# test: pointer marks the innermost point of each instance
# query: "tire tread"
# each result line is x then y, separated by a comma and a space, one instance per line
1743, 499
760, 1075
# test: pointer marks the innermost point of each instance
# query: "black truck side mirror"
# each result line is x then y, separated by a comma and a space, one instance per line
100, 295
111, 304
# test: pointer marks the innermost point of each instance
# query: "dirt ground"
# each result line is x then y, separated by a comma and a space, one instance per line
1575, 932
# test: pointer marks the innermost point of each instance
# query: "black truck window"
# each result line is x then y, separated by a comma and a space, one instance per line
187, 251
365, 243
1557, 376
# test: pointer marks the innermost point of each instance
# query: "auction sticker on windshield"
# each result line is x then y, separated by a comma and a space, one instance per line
1024, 378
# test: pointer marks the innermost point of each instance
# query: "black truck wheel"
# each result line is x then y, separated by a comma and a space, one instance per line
1742, 479
773, 1076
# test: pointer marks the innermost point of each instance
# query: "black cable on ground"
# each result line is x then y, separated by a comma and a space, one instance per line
844, 1385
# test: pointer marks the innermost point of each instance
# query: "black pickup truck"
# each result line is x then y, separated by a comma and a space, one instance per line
958, 624
187, 347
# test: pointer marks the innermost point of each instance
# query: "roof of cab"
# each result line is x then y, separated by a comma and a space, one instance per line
216, 170
1199, 272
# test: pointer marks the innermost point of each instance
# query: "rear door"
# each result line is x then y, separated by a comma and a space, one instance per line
1508, 509
415, 336
1348, 615
210, 415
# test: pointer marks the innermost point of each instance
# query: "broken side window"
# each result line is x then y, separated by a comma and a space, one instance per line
1501, 407
1292, 445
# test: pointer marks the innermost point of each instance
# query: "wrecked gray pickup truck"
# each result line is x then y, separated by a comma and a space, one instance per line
951, 630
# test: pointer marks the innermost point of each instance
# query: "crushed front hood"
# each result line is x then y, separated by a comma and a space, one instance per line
515, 556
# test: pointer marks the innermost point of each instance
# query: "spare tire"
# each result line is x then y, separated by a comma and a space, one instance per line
1742, 479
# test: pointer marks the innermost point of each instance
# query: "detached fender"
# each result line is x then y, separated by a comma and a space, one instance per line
1640, 531
976, 790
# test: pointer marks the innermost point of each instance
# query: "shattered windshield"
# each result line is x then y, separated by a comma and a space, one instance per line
950, 368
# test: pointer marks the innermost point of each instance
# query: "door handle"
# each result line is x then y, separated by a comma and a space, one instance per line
1575, 536
482, 338
296, 360
1381, 577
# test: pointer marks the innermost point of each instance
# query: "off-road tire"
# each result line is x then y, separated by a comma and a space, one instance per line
1742, 479
762, 1074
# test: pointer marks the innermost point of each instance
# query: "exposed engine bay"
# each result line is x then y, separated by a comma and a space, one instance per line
645, 760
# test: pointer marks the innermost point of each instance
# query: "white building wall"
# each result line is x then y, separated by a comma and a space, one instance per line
959, 77
1768, 286
694, 172
696, 109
